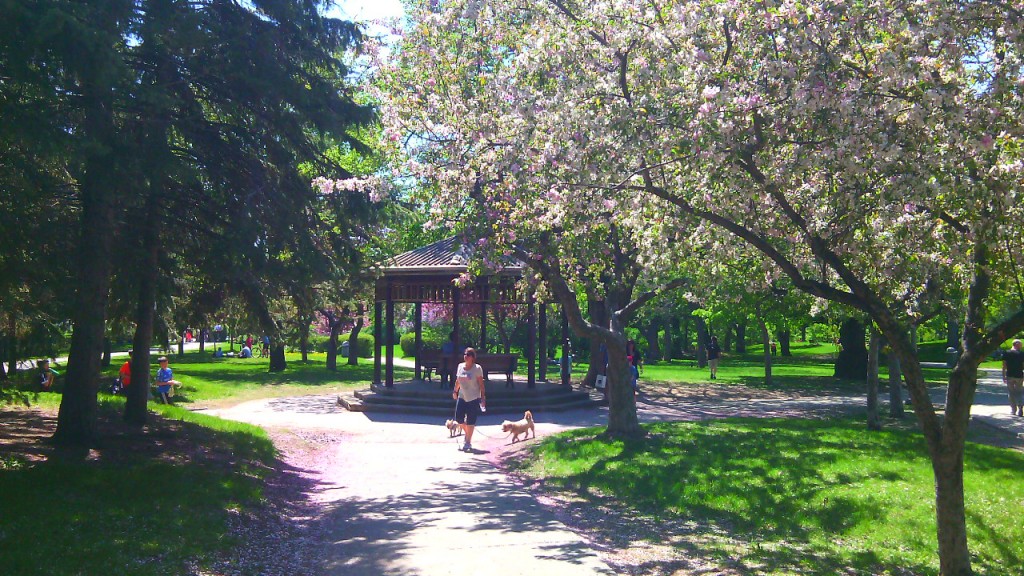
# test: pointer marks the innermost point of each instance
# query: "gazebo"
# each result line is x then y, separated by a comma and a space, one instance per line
428, 275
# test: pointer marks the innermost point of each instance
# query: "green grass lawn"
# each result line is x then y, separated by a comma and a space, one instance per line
154, 505
793, 496
208, 380
809, 369
213, 381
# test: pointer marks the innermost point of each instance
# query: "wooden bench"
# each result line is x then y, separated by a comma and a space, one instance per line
499, 364
434, 361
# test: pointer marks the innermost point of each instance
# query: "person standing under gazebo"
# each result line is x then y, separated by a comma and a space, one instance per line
470, 396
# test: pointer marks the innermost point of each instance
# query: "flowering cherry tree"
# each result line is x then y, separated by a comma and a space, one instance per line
477, 174
871, 151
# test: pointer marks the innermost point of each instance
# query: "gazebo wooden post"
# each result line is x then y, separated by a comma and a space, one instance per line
484, 291
389, 368
531, 345
543, 337
418, 325
453, 360
377, 336
566, 367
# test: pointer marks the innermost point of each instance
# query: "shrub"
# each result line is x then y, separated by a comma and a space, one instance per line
318, 343
366, 344
408, 344
432, 340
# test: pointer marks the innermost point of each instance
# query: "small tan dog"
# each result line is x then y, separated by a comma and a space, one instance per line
453, 428
523, 427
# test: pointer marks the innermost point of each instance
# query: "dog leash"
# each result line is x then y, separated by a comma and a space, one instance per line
486, 435
477, 429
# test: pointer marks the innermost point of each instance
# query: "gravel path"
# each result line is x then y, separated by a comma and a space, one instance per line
336, 510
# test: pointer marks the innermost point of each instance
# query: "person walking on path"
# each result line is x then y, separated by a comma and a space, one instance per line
1013, 377
714, 352
470, 396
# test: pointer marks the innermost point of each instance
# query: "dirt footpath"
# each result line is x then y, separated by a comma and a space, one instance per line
394, 495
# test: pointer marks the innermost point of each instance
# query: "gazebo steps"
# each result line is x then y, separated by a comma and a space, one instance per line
417, 399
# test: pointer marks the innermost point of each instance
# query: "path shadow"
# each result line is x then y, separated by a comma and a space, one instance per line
388, 535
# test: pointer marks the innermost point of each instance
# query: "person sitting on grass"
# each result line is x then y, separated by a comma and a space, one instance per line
46, 375
165, 381
245, 353
125, 374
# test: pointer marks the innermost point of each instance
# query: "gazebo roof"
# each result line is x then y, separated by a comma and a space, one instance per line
448, 256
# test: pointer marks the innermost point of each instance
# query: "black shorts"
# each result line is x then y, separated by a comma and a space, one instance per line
467, 412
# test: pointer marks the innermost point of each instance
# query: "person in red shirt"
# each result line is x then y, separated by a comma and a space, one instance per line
125, 373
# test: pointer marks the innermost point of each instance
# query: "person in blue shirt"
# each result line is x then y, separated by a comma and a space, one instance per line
46, 375
165, 381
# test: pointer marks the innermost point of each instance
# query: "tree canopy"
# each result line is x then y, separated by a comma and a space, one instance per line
870, 151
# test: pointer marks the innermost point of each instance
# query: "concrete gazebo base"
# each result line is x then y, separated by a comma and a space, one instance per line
429, 398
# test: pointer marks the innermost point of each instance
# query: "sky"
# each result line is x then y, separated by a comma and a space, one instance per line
362, 10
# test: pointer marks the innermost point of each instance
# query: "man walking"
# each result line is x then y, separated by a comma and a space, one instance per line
1013, 376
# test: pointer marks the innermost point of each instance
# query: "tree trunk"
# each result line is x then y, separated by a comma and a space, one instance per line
164, 331
181, 343
952, 331
685, 333
948, 467
12, 344
653, 349
76, 420
304, 323
851, 363
138, 391
895, 387
741, 337
727, 338
784, 337
702, 341
278, 363
670, 326
334, 323
622, 417
105, 361
202, 340
766, 340
353, 339
3, 350
500, 319
270, 326
598, 315
874, 421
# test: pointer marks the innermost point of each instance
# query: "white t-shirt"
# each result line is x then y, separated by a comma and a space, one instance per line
469, 381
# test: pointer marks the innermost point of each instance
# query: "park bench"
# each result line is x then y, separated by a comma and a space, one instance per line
499, 364
434, 361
